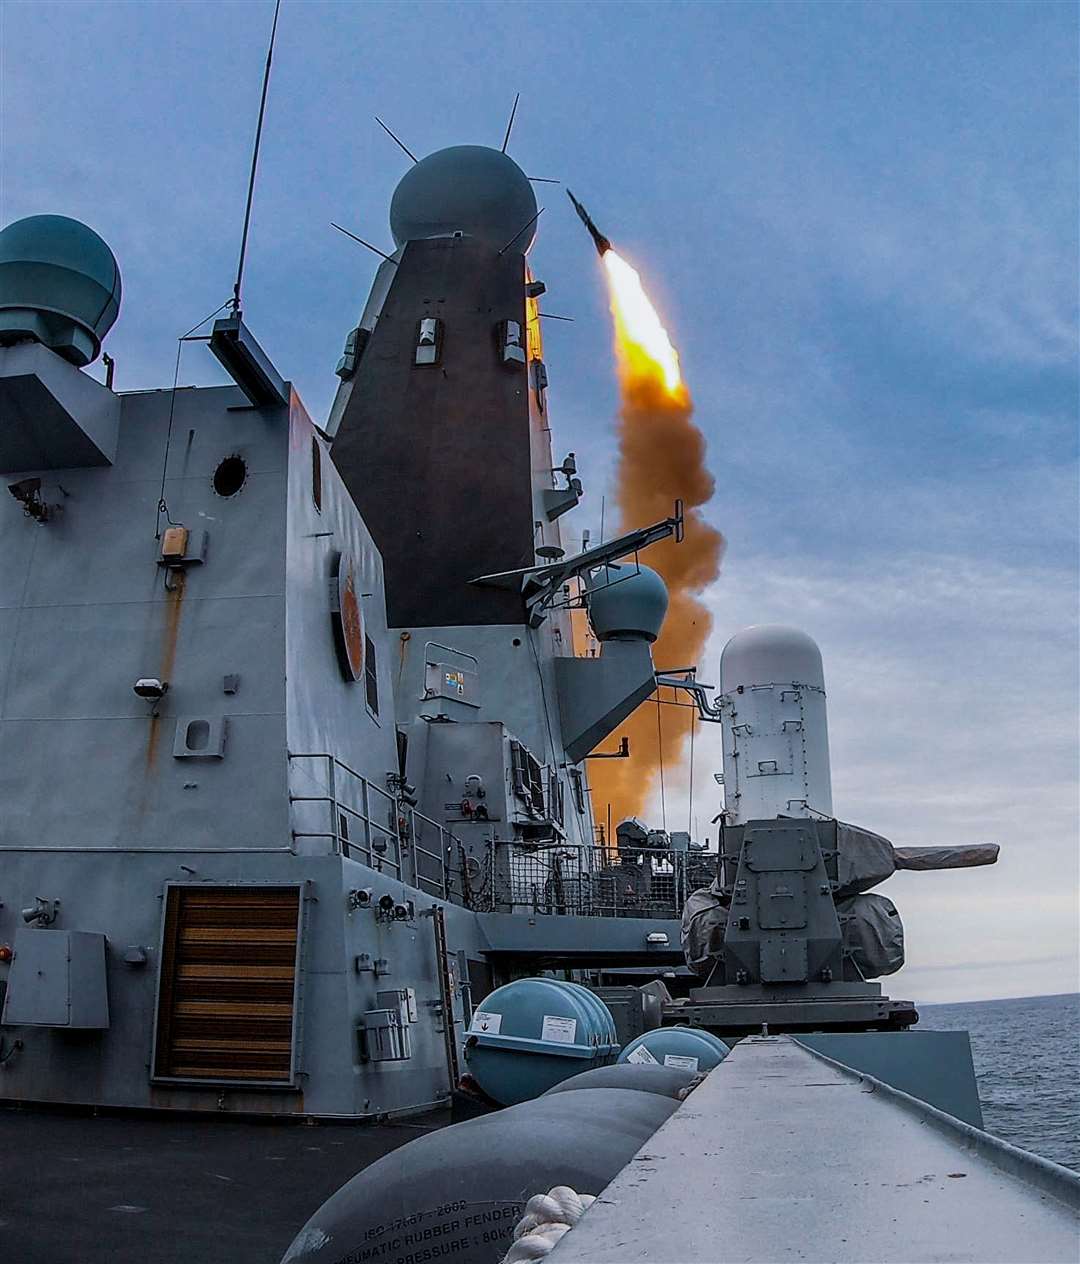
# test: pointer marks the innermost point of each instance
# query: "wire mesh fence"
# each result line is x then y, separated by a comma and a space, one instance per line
598, 881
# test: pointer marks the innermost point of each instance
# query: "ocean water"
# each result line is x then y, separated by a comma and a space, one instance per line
1027, 1061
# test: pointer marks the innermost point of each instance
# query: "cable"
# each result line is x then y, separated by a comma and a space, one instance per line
690, 808
162, 506
660, 752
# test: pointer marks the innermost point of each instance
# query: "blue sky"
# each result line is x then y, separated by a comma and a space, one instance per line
860, 224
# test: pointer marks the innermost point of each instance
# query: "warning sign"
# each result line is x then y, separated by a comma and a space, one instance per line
484, 1022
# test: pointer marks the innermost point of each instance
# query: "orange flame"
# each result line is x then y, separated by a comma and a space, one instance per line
642, 339
661, 458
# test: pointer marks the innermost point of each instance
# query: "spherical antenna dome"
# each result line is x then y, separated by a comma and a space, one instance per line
467, 189
770, 654
627, 603
59, 284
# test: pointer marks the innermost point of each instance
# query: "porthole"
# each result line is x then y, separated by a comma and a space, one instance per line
230, 476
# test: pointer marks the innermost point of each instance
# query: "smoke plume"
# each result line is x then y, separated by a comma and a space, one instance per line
661, 458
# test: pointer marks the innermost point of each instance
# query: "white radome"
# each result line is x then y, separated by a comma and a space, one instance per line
775, 726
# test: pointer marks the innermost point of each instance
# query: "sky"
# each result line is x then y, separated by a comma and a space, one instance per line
859, 222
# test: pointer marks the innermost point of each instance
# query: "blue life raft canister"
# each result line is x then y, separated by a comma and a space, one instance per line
533, 1033
685, 1048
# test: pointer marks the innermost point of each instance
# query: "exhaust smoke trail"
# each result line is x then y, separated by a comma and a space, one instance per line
661, 458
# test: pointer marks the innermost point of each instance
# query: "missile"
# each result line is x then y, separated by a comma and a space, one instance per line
599, 240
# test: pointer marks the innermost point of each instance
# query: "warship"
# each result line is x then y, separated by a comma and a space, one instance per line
296, 741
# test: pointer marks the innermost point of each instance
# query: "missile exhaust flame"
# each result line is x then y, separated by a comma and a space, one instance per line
661, 458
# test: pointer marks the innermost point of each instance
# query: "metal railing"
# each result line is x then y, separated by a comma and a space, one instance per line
597, 881
367, 823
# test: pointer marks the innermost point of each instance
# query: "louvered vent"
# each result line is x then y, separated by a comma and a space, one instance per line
228, 974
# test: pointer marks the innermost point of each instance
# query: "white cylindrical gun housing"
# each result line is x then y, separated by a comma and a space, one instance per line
776, 733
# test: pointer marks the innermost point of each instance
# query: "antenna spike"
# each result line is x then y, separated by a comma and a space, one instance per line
510, 125
255, 161
397, 141
522, 229
374, 249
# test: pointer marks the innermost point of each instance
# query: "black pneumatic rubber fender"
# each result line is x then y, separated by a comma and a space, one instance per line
454, 1196
667, 1081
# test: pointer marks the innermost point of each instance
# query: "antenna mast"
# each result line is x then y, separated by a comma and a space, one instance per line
235, 304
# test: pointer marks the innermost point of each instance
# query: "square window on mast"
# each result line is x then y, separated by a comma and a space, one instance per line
511, 339
428, 340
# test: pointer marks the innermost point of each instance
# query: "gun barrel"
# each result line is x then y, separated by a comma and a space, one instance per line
946, 857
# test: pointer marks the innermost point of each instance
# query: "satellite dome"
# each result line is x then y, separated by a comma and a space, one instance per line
770, 654
628, 603
59, 284
467, 189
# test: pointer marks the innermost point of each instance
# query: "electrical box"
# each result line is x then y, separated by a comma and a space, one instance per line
403, 1000
57, 979
452, 683
384, 1036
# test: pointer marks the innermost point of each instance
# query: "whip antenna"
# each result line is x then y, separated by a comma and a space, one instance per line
510, 125
396, 139
255, 162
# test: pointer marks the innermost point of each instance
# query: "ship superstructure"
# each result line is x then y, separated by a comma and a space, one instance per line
293, 734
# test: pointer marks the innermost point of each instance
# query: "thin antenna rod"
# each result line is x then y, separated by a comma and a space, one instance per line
255, 162
542, 180
400, 143
510, 125
523, 229
552, 316
362, 242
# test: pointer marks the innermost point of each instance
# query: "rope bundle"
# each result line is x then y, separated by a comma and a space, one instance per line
547, 1217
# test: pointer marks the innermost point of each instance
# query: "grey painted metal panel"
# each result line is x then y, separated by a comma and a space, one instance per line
597, 694
581, 938
83, 761
778, 1156
57, 979
39, 989
52, 416
934, 1066
325, 711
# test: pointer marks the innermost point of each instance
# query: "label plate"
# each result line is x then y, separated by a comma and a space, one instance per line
560, 1031
680, 1061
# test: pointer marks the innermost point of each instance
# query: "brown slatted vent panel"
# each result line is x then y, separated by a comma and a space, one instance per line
228, 971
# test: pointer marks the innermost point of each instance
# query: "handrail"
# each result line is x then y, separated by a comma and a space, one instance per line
438, 645
404, 830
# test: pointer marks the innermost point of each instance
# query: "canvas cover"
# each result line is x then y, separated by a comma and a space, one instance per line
863, 859
873, 934
704, 921
961, 857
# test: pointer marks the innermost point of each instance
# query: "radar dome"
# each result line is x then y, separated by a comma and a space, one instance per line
59, 284
627, 603
770, 654
467, 189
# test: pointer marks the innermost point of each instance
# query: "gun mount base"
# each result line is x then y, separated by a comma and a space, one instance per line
735, 1014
